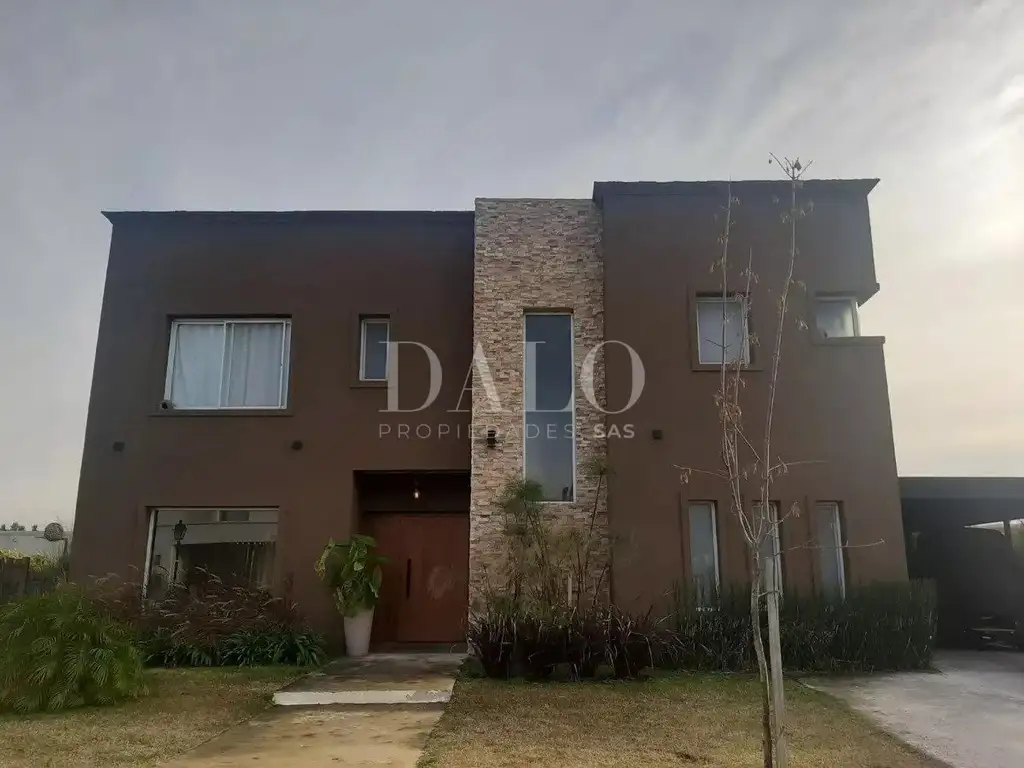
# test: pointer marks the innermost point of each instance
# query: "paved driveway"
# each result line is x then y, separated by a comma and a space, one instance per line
969, 714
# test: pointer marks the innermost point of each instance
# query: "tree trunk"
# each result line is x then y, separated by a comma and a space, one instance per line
775, 649
762, 664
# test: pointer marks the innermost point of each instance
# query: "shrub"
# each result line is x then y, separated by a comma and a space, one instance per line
880, 626
213, 624
61, 651
511, 643
352, 572
883, 626
490, 636
877, 627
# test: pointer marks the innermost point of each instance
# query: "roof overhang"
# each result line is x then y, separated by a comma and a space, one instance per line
959, 501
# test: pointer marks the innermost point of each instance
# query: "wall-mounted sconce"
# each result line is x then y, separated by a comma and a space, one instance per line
492, 438
415, 489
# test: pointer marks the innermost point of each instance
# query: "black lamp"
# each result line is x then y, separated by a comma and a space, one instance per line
179, 531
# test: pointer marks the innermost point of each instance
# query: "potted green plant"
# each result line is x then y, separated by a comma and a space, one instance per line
352, 572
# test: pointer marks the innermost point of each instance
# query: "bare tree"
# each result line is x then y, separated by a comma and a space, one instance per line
750, 464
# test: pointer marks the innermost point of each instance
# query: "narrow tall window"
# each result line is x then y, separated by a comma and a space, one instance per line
828, 530
549, 428
836, 316
770, 552
228, 364
722, 331
704, 551
374, 334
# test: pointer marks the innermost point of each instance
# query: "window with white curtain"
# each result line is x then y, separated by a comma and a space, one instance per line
715, 315
704, 551
228, 364
770, 552
828, 530
836, 316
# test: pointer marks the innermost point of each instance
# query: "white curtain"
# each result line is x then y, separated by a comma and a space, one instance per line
703, 560
837, 318
252, 371
827, 530
196, 367
711, 315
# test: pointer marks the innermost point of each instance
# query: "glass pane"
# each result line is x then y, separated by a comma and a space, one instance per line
711, 315
252, 374
836, 318
769, 555
826, 528
703, 560
375, 350
196, 367
550, 424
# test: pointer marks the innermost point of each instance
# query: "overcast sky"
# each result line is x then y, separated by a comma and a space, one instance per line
286, 105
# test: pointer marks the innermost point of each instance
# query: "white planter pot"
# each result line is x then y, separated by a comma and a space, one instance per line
357, 633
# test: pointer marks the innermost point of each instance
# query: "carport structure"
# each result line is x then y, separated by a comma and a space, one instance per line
955, 502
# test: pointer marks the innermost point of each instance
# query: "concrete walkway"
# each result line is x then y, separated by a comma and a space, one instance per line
381, 678
969, 714
375, 711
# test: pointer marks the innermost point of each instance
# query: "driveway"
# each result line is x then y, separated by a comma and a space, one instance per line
970, 713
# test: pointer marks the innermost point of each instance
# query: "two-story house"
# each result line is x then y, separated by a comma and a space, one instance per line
266, 381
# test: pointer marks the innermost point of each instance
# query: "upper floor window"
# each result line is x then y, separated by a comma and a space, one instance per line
704, 551
836, 316
374, 335
549, 450
722, 333
828, 530
228, 364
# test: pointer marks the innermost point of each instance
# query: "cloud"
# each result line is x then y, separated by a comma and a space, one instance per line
425, 105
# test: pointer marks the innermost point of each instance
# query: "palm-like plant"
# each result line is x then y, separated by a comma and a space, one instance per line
352, 572
60, 651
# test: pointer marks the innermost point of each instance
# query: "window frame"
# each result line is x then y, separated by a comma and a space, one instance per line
364, 321
837, 298
708, 298
837, 511
776, 540
283, 386
572, 395
713, 506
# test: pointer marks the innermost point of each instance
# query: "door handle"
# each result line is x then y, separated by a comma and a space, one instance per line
408, 577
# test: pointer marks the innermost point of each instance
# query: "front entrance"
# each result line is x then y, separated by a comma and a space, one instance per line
425, 590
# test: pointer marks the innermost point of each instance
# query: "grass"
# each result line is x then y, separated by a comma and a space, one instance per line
699, 720
185, 708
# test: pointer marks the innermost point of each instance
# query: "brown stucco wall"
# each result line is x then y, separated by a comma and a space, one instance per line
833, 406
322, 270
530, 255
628, 266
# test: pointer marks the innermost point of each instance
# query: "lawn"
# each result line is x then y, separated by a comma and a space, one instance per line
700, 720
186, 707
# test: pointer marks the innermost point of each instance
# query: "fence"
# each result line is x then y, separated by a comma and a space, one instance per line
18, 579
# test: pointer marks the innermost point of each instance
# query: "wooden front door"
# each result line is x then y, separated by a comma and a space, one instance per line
425, 589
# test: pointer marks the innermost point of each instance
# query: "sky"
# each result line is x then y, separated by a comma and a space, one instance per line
250, 104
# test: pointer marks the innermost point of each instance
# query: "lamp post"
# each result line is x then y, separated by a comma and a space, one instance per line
179, 531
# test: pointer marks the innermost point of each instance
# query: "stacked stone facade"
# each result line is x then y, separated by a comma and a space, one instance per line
531, 255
